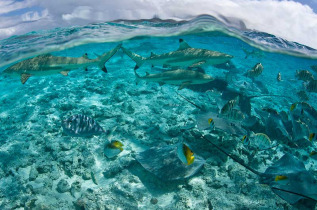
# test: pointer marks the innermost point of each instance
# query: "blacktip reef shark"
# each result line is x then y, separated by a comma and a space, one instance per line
184, 56
179, 77
48, 64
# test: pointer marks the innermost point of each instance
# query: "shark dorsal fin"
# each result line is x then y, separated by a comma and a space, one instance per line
147, 73
153, 54
183, 45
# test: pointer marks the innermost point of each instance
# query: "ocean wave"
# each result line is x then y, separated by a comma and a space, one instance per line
39, 42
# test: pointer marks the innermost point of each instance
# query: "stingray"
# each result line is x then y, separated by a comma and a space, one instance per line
300, 184
164, 163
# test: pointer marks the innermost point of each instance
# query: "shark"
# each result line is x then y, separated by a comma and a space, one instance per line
48, 64
184, 56
179, 77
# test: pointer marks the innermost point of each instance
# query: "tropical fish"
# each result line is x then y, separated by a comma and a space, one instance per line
235, 115
184, 56
179, 77
117, 145
113, 148
312, 137
81, 126
185, 154
258, 140
304, 75
255, 71
280, 177
279, 77
49, 64
302, 95
211, 123
312, 86
229, 105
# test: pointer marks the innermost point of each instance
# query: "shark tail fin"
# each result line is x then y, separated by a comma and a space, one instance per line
139, 60
106, 56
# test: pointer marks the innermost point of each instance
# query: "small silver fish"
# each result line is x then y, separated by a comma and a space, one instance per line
279, 77
81, 126
304, 75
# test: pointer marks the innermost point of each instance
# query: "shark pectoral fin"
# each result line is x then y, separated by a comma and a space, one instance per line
161, 83
65, 73
183, 45
183, 85
25, 77
197, 64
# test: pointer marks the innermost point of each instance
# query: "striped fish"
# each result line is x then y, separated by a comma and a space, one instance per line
312, 86
258, 140
81, 126
229, 105
304, 75
235, 115
255, 71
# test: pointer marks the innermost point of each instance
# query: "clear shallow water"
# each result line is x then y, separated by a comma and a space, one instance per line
145, 115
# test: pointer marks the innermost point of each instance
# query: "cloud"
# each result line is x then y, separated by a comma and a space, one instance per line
81, 12
287, 19
34, 15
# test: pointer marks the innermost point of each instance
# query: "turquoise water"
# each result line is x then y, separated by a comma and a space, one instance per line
41, 166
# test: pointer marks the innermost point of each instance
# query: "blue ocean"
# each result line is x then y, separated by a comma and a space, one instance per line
157, 114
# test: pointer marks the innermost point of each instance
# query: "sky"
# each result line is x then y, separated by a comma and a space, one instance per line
292, 20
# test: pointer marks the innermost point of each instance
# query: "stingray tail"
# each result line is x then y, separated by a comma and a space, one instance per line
102, 59
295, 193
139, 60
189, 101
234, 158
